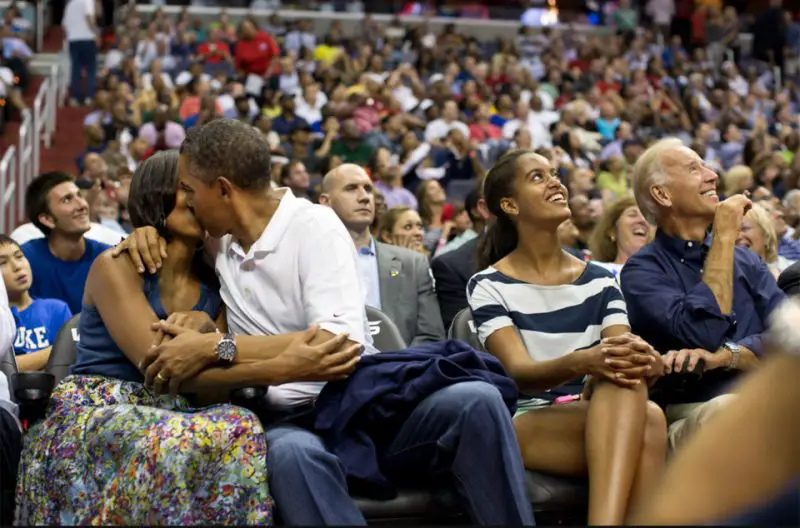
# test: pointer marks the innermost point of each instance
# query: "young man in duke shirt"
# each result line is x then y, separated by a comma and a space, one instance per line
693, 295
285, 263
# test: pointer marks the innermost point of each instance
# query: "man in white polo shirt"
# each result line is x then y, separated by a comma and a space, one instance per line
285, 263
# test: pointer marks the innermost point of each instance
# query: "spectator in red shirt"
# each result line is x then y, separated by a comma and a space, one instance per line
215, 50
482, 129
256, 52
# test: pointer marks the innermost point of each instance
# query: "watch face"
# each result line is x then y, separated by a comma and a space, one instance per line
226, 350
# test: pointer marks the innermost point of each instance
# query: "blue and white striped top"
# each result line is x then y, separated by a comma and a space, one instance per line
552, 321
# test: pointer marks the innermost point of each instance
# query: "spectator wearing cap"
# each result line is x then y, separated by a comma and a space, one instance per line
351, 147
256, 52
288, 119
161, 133
388, 179
303, 147
691, 295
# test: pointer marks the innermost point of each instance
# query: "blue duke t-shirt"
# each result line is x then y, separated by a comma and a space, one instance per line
54, 278
38, 324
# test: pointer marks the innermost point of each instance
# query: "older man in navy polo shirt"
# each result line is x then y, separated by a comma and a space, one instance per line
691, 293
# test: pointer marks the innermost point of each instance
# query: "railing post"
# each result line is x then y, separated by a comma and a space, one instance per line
52, 105
7, 191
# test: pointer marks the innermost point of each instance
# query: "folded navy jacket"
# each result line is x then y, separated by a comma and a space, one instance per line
359, 417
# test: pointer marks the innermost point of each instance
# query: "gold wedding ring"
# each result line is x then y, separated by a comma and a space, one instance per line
160, 377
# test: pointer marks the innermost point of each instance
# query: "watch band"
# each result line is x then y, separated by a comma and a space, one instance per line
735, 352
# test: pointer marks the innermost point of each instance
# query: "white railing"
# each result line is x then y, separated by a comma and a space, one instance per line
20, 164
8, 186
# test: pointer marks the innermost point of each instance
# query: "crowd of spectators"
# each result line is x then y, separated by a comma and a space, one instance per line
460, 169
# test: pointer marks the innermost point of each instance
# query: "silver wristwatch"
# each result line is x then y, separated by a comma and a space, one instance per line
226, 347
735, 351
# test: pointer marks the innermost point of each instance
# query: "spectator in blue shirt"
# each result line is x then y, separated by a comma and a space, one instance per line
693, 295
60, 262
37, 320
288, 120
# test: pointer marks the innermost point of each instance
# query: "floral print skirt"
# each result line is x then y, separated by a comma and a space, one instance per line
109, 452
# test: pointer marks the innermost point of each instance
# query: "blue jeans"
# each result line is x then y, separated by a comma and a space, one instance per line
82, 56
464, 429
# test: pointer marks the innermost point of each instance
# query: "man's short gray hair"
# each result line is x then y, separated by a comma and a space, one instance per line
648, 172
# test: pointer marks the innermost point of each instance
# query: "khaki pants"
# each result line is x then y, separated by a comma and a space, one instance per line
685, 419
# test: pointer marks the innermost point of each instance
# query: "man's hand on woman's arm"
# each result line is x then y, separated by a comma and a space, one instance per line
145, 247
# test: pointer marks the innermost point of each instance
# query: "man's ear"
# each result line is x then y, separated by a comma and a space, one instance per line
225, 187
47, 220
661, 195
324, 199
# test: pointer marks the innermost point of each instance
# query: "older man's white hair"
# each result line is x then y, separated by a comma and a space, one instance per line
648, 172
789, 201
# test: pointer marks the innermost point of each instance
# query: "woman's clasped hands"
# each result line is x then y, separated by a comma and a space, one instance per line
625, 360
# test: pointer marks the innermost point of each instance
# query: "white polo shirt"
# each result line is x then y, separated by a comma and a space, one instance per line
302, 270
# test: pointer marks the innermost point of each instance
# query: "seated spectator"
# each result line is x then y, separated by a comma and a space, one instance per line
288, 120
60, 262
94, 139
37, 320
549, 318
161, 133
435, 214
437, 130
327, 292
303, 147
614, 179
295, 176
101, 109
620, 233
197, 89
397, 280
256, 52
462, 159
758, 235
156, 71
384, 170
476, 222
103, 407
402, 227
737, 180
209, 110
215, 50
351, 147
693, 296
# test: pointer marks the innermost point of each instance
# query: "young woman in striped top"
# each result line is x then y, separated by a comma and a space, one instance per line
552, 319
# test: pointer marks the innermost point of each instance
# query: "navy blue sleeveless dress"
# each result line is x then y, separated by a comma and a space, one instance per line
97, 353
110, 452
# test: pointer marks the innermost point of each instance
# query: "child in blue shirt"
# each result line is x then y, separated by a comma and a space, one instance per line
38, 320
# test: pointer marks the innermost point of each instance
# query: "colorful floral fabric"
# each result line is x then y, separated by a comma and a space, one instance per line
109, 452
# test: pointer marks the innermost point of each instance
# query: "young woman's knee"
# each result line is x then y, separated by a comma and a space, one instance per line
655, 429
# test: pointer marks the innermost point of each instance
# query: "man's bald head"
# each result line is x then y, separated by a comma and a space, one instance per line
334, 178
348, 190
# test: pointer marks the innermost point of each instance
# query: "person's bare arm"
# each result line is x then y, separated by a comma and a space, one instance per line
718, 268
729, 467
34, 361
115, 289
538, 376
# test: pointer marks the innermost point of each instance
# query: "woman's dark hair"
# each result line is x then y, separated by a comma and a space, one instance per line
153, 190
501, 237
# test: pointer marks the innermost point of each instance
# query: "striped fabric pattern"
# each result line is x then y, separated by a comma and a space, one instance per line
552, 321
